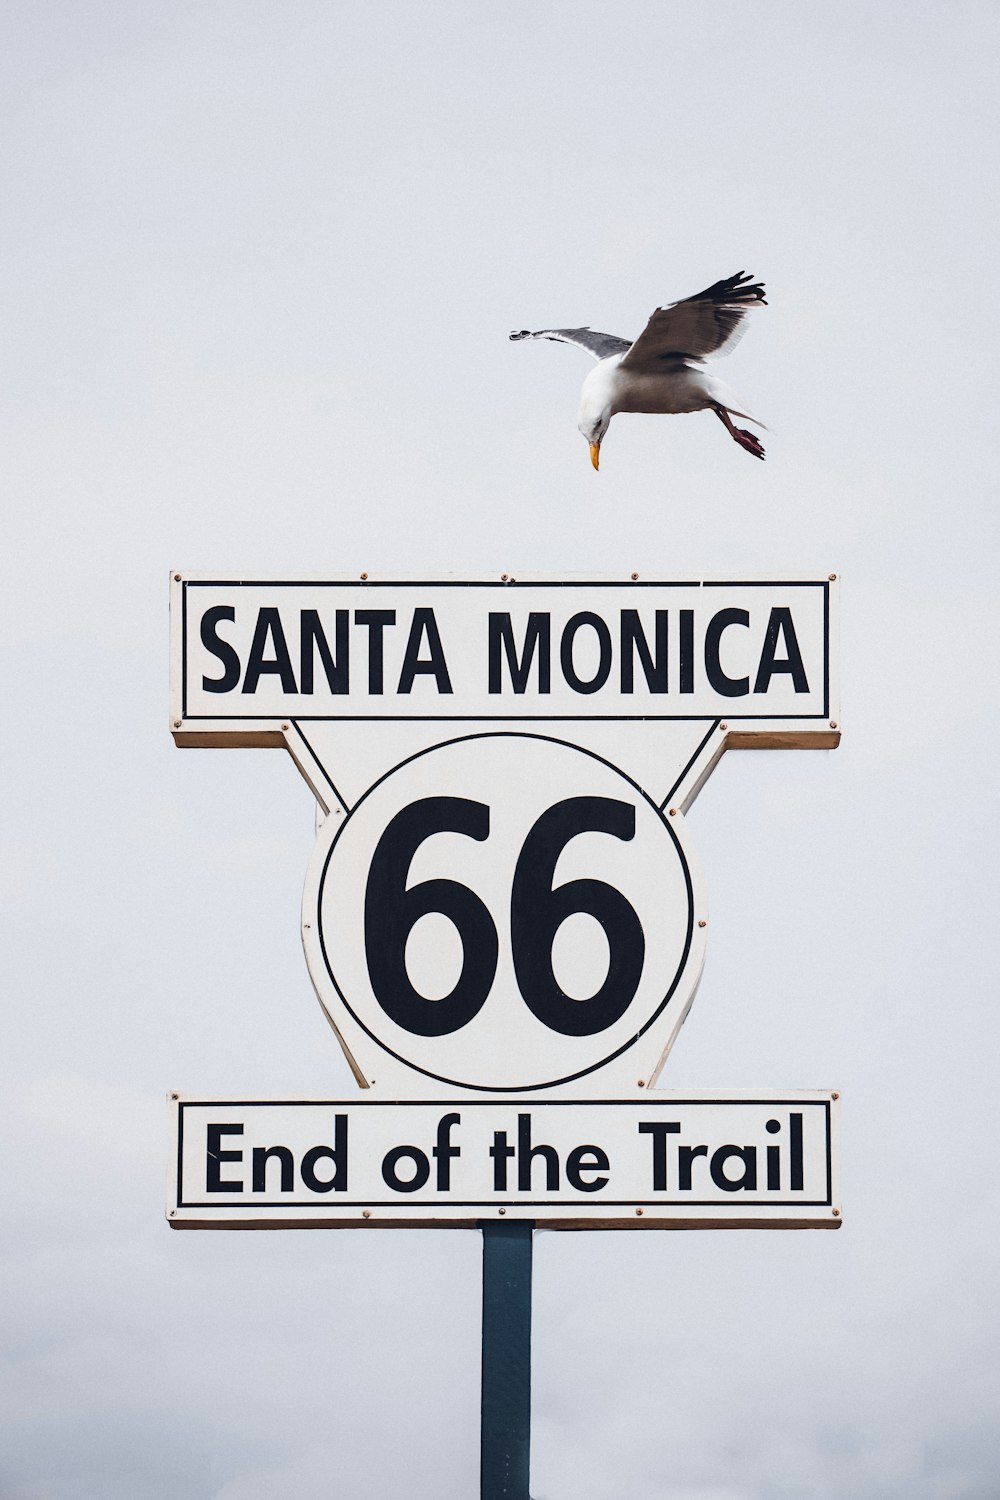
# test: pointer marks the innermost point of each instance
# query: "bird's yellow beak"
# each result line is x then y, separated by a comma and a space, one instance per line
595, 455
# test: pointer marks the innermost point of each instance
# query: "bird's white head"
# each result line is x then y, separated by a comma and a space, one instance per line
593, 423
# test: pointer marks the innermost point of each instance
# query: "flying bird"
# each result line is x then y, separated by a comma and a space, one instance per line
663, 370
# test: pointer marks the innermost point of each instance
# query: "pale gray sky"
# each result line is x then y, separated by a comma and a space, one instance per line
259, 263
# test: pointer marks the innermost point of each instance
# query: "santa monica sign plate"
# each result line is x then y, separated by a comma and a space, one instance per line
503, 902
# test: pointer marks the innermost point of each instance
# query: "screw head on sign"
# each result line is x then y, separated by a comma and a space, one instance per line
673, 812
640, 1083
635, 578
836, 1213
833, 724
639, 1213
723, 726
366, 1213
173, 1213
503, 577
833, 578
364, 578
284, 726
702, 922
177, 723
177, 578
835, 1094
501, 1210
175, 1096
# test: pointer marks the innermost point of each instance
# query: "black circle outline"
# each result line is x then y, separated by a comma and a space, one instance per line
520, 1088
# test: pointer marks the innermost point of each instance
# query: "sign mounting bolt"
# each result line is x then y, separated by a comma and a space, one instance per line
723, 726
177, 723
835, 1094
641, 1083
635, 578
284, 726
366, 1213
501, 1210
364, 578
833, 724
639, 1213
673, 812
836, 1213
833, 578
175, 1096
504, 577
173, 1213
702, 922
177, 578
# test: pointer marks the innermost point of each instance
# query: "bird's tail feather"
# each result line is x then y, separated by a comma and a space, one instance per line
747, 417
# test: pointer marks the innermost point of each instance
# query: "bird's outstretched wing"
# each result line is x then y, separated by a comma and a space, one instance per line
710, 322
600, 345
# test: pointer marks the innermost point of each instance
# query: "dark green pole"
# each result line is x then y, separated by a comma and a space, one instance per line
505, 1455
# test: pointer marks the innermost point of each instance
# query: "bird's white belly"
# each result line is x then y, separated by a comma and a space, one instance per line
673, 391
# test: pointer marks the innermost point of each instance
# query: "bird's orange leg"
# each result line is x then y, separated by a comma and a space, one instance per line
740, 435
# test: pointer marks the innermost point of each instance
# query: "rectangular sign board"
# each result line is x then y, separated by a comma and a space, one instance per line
248, 654
664, 1161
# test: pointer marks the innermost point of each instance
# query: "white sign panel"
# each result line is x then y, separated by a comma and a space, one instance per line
662, 1161
249, 655
502, 896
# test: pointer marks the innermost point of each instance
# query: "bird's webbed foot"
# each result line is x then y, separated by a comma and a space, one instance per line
748, 441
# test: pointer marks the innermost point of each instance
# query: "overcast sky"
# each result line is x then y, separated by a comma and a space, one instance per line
259, 263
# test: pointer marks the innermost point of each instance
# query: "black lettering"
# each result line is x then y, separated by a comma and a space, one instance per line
260, 1157
337, 1153
780, 625
215, 1156
375, 621
659, 1132
312, 637
501, 1154
537, 635
424, 624
773, 1156
729, 687
526, 1154
633, 639
259, 665
577, 1164
421, 1169
221, 649
444, 1151
685, 1156
600, 629
747, 1155
687, 650
795, 1137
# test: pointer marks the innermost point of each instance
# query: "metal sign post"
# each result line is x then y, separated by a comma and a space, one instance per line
503, 917
505, 1445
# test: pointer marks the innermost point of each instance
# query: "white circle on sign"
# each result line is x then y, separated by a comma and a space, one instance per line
503, 912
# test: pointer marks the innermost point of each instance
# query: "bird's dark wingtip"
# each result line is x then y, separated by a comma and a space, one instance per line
525, 333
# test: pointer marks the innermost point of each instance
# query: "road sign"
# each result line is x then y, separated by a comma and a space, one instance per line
503, 917
664, 1160
503, 898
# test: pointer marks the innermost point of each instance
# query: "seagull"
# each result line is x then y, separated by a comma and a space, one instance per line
664, 369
